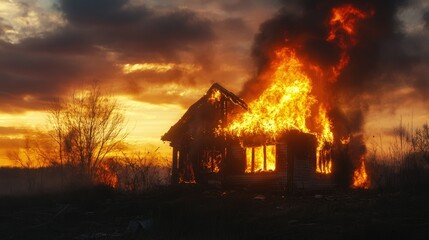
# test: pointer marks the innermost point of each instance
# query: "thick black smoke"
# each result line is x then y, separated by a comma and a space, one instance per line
379, 62
386, 58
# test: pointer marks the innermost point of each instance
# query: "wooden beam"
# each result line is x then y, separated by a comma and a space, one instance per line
253, 159
174, 167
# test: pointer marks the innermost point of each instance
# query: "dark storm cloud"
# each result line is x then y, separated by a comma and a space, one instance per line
239, 5
101, 12
31, 75
98, 35
426, 19
65, 41
237, 26
135, 31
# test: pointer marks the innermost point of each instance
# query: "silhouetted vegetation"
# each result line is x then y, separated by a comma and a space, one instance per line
405, 165
83, 142
140, 171
86, 128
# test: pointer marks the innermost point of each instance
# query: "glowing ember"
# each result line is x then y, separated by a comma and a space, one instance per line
212, 161
187, 175
345, 140
360, 177
181, 181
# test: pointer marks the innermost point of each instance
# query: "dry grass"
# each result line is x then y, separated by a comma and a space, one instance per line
193, 212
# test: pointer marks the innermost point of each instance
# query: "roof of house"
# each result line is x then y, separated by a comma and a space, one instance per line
177, 129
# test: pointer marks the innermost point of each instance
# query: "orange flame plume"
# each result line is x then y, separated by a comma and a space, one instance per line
289, 103
343, 29
285, 105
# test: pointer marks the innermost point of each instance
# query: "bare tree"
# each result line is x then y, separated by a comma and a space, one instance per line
86, 128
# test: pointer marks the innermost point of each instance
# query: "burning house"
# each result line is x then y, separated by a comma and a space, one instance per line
205, 149
296, 130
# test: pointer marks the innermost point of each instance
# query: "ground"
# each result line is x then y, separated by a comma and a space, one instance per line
196, 212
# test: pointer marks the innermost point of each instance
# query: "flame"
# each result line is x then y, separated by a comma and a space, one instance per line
262, 162
212, 161
325, 138
360, 177
289, 103
187, 174
282, 106
345, 140
105, 175
344, 20
285, 105
270, 158
215, 96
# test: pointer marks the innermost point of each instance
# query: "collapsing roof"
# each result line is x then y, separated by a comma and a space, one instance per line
178, 130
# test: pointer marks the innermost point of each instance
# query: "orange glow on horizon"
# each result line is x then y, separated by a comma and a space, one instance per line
157, 67
145, 123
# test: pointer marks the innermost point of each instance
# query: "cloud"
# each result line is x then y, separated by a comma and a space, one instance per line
137, 32
31, 76
9, 143
426, 19
98, 36
26, 18
13, 131
76, 41
11, 138
101, 12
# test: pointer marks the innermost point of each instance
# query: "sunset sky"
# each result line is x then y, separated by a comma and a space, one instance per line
160, 56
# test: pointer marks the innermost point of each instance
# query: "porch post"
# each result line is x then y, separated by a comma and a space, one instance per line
174, 168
